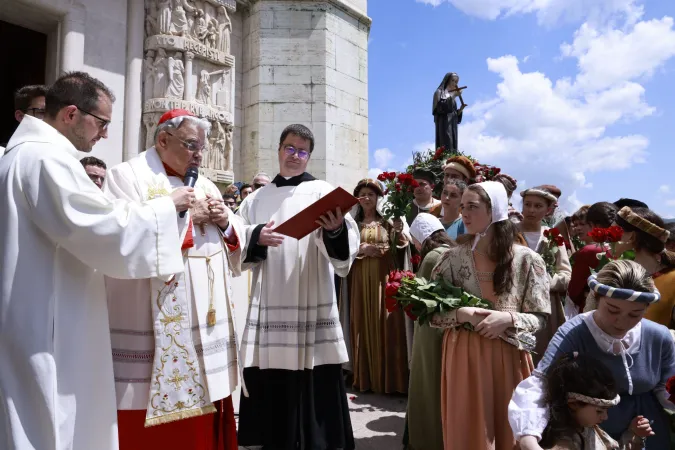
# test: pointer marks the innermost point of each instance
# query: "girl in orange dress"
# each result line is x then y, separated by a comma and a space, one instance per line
481, 368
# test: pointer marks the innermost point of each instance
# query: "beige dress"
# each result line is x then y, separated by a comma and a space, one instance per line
591, 439
378, 338
479, 375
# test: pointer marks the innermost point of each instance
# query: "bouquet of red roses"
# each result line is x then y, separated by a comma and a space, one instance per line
606, 239
420, 299
399, 188
485, 172
554, 240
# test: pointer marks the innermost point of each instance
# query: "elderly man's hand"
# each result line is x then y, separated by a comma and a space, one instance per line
218, 213
200, 211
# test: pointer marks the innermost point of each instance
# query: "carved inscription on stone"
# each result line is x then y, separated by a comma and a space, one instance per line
187, 64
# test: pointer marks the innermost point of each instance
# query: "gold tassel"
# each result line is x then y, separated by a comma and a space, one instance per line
211, 317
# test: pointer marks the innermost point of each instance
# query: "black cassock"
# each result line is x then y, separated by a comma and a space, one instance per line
446, 117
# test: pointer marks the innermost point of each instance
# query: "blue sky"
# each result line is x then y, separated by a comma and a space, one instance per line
577, 93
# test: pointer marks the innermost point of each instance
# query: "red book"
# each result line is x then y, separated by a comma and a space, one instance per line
304, 222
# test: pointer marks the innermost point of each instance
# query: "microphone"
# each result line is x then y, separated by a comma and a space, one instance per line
190, 179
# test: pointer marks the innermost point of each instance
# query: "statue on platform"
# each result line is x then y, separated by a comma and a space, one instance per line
164, 16
224, 30
229, 148
204, 87
446, 114
151, 18
176, 81
179, 22
149, 75
200, 29
216, 157
161, 69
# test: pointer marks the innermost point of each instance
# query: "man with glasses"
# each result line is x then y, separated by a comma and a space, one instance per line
260, 180
30, 100
187, 334
59, 236
95, 169
293, 342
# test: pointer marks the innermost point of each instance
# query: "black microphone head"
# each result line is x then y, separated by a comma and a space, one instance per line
191, 176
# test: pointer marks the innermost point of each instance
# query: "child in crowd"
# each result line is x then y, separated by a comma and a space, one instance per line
579, 393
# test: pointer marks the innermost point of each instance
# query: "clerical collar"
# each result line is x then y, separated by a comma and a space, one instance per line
280, 181
172, 173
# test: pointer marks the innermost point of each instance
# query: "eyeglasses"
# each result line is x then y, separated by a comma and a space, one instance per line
104, 123
289, 150
38, 113
193, 146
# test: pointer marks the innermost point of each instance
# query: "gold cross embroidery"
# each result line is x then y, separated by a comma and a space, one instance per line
177, 379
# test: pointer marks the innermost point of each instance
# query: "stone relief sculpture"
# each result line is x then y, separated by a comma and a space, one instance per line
224, 29
164, 16
161, 69
175, 71
188, 43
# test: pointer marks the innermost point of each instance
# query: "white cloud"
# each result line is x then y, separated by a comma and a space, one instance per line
374, 172
383, 157
610, 57
670, 202
549, 11
664, 189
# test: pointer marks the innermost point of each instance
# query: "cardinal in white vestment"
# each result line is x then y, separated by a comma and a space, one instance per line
59, 236
293, 342
174, 344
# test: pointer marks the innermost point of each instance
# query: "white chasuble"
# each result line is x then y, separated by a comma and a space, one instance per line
59, 236
293, 321
169, 359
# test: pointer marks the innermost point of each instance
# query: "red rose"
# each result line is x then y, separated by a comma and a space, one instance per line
414, 184
408, 274
409, 313
386, 191
598, 235
670, 388
547, 233
555, 232
416, 259
391, 304
398, 187
382, 177
614, 234
391, 289
395, 276
559, 241
391, 176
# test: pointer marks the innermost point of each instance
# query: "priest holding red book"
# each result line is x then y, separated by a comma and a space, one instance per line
293, 344
174, 343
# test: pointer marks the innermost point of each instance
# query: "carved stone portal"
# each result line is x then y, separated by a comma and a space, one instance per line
188, 65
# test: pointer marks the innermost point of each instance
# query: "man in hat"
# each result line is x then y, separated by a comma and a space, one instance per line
293, 341
174, 345
59, 235
424, 200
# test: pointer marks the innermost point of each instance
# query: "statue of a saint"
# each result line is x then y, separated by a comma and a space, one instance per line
446, 114
224, 26
175, 72
161, 71
164, 16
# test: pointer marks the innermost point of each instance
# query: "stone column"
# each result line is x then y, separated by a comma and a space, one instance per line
308, 64
133, 89
189, 93
72, 39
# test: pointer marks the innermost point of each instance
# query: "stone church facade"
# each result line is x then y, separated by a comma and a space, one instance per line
250, 67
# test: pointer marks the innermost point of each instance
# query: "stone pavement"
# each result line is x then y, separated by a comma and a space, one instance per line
377, 420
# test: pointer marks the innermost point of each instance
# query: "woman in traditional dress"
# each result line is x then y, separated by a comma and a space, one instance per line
537, 204
644, 232
451, 199
423, 420
481, 368
378, 338
639, 353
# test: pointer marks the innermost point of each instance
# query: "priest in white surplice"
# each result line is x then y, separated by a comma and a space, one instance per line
174, 345
293, 341
59, 235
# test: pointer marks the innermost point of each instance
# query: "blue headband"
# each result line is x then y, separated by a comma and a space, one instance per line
622, 294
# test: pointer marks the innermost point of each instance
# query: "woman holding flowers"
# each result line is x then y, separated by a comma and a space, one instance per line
538, 202
482, 367
644, 233
378, 339
423, 420
639, 353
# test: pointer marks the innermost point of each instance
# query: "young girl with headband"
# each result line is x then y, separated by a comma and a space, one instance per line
639, 353
579, 391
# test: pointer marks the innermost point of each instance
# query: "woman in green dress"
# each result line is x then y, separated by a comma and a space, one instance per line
424, 430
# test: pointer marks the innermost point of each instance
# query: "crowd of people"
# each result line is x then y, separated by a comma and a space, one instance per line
128, 340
